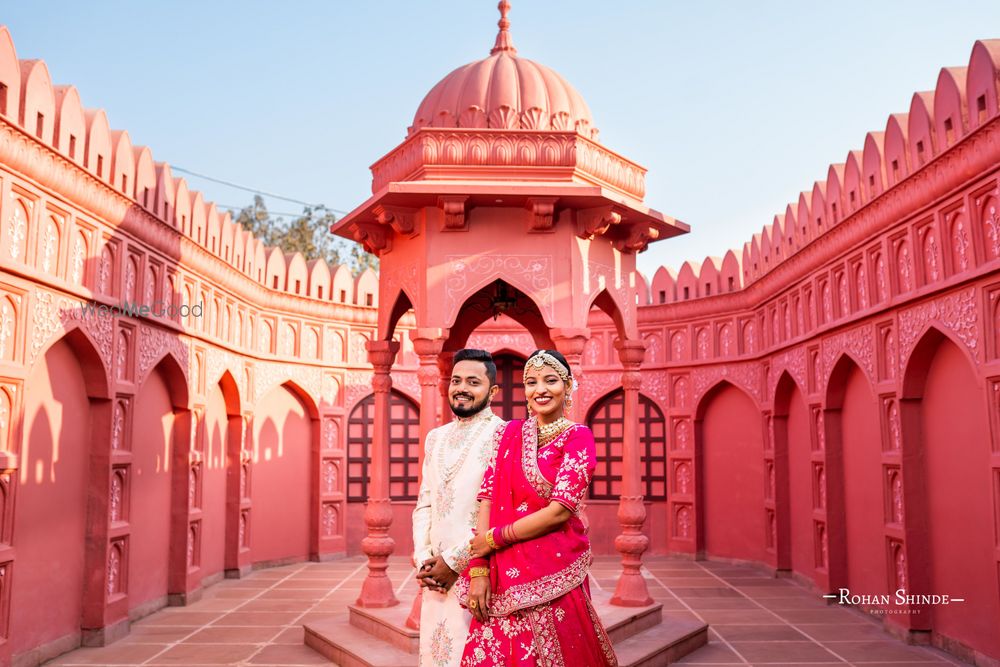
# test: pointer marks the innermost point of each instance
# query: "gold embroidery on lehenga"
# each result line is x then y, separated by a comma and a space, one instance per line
548, 652
602, 635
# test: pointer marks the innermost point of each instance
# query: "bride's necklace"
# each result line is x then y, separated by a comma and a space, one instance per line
548, 432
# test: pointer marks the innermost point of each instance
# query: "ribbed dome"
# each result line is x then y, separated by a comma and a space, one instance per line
504, 91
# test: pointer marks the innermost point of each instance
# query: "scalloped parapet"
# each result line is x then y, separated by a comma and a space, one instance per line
55, 117
964, 100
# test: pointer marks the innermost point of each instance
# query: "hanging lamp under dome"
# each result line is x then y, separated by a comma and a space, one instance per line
503, 91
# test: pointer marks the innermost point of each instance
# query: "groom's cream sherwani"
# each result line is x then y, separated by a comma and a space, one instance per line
455, 457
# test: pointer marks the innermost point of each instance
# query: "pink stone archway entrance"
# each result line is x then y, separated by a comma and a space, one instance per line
505, 194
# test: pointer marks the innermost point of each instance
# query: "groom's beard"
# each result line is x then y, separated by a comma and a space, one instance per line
469, 410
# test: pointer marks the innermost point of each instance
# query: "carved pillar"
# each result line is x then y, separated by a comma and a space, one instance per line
570, 342
631, 590
376, 591
427, 343
444, 363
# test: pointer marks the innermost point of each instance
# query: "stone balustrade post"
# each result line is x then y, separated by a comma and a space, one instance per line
376, 591
631, 590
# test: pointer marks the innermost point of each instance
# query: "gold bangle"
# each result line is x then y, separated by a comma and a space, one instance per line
489, 539
479, 572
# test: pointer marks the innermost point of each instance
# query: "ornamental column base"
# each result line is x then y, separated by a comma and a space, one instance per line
376, 591
631, 590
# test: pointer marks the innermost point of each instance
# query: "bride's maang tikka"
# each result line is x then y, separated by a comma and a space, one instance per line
543, 358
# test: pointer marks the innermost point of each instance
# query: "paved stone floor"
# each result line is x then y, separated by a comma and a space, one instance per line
755, 619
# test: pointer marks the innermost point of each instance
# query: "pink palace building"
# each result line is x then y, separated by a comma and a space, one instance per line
823, 402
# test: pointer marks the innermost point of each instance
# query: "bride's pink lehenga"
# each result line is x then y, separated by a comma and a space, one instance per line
540, 613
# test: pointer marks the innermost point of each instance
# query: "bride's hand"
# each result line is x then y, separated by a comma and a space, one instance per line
479, 547
479, 598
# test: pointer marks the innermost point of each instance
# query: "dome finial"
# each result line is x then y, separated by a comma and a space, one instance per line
504, 41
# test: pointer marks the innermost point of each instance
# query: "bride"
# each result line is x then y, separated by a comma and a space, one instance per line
526, 586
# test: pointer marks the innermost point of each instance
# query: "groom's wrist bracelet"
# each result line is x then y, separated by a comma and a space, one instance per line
479, 572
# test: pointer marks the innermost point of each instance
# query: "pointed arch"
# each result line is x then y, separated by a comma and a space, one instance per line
177, 382
95, 373
852, 357
729, 475
401, 304
853, 474
63, 449
946, 471
606, 302
917, 362
477, 308
789, 478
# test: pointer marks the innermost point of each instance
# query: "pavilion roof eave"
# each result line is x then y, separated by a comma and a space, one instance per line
415, 194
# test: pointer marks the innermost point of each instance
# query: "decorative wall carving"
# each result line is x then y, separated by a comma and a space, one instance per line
217, 362
269, 375
532, 274
957, 312
154, 343
519, 342
858, 342
746, 376
597, 384
793, 361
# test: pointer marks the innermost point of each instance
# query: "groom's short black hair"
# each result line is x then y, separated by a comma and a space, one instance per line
482, 356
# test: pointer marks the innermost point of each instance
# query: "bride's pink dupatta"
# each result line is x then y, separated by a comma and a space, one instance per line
530, 573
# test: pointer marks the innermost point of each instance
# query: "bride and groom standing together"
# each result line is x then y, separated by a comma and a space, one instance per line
501, 551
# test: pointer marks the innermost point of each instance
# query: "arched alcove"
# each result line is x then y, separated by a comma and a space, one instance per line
854, 474
949, 496
729, 467
791, 487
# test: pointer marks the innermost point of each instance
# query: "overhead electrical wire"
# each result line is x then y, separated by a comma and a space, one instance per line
257, 191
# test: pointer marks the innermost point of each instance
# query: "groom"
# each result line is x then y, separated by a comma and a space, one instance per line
455, 457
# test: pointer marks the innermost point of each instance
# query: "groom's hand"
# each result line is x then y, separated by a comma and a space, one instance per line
436, 575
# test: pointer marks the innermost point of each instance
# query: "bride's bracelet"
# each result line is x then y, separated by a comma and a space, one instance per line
478, 572
502, 537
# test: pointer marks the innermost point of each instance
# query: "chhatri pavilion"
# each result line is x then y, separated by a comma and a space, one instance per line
798, 442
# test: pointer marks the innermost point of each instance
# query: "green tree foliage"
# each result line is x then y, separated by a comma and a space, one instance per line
308, 233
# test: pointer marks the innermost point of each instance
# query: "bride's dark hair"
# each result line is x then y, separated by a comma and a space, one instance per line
558, 357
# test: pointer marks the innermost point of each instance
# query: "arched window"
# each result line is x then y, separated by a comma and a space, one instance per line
606, 420
509, 403
404, 443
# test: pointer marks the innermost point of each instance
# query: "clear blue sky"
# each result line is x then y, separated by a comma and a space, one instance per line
733, 107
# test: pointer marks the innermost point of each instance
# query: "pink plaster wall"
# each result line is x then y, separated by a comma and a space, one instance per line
800, 504
51, 504
954, 428
150, 503
862, 480
732, 476
214, 483
282, 437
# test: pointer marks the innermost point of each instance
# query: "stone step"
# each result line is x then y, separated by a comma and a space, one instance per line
624, 622
642, 637
662, 644
341, 642
388, 624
